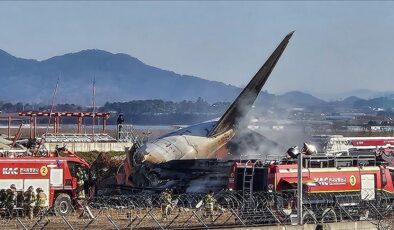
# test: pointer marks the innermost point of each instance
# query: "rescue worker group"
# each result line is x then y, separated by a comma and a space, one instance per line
168, 203
35, 202
10, 200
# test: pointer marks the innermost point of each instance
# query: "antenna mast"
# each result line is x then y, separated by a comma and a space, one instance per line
49, 118
94, 106
52, 106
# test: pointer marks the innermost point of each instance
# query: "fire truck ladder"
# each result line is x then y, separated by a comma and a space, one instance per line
247, 188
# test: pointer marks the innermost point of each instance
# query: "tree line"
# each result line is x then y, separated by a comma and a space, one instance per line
146, 112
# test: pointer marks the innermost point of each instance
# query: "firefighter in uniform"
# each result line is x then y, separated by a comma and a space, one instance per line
209, 202
11, 197
166, 205
30, 201
81, 177
41, 200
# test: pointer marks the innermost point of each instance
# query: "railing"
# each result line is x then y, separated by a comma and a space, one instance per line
76, 137
325, 161
13, 153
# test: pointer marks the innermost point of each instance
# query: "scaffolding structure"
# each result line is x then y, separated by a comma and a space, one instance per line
57, 117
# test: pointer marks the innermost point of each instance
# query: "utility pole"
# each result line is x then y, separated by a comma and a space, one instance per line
299, 189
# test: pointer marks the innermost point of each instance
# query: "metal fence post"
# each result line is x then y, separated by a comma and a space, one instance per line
299, 189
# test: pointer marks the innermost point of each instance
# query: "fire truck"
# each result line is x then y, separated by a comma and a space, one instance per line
340, 181
321, 173
56, 175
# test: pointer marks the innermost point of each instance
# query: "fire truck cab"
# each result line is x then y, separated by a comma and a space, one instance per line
57, 176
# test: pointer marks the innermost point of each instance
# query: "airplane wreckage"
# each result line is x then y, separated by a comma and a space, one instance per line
188, 157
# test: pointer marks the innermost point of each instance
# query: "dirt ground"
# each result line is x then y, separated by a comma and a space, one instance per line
121, 218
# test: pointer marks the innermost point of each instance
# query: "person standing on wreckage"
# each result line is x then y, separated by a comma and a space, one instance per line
200, 141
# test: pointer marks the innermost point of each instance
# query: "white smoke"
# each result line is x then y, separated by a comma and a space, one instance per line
266, 130
204, 184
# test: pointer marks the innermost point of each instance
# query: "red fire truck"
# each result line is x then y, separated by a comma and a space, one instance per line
331, 184
367, 175
55, 175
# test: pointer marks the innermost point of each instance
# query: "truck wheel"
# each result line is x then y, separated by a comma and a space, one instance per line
308, 217
62, 205
329, 216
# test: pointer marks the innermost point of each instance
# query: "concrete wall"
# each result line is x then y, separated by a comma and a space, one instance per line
89, 146
364, 225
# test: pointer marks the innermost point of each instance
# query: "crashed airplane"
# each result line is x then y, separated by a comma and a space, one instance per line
200, 141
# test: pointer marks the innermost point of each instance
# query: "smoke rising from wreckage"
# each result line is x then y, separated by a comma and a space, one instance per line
147, 165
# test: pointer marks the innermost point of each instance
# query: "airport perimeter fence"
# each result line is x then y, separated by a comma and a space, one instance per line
144, 211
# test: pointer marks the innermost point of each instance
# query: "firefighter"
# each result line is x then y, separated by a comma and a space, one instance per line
209, 202
11, 197
29, 201
166, 205
41, 200
81, 177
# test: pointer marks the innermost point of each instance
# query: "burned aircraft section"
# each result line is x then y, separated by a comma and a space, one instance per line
189, 175
184, 175
150, 162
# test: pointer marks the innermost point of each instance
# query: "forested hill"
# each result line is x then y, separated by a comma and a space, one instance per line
119, 77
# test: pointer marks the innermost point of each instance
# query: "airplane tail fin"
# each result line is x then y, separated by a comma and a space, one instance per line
246, 98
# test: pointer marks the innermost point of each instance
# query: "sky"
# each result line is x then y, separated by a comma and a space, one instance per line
337, 46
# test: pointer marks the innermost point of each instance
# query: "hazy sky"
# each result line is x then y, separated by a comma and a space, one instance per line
338, 46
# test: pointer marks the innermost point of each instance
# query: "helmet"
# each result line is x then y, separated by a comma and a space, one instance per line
30, 188
13, 186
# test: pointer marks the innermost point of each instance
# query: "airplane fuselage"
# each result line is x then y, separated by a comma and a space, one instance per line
187, 143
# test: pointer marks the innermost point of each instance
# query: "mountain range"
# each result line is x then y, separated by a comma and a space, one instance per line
119, 77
